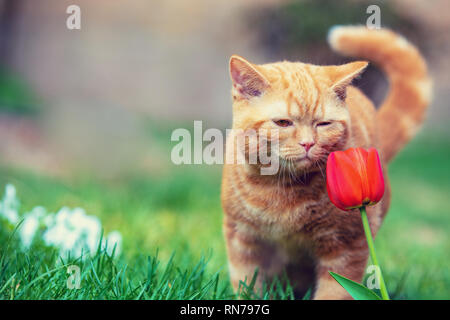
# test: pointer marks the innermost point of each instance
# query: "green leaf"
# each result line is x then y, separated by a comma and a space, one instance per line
356, 290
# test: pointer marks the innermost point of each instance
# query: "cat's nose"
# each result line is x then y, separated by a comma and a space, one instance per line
307, 145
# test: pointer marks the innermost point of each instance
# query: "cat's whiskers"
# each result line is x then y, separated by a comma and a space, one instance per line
317, 163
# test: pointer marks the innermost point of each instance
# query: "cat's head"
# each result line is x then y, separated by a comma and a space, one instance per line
306, 103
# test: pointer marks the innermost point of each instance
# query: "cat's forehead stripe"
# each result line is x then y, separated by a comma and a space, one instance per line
289, 103
300, 87
302, 96
314, 101
301, 112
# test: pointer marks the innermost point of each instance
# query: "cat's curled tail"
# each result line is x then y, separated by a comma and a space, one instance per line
403, 110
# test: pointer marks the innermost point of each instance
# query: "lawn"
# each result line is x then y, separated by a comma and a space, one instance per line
173, 245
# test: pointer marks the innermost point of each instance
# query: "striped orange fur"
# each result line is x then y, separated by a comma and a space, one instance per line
285, 222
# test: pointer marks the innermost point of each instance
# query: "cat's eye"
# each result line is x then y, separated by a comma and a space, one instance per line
323, 123
283, 122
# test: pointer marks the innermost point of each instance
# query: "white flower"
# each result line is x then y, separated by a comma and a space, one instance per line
114, 239
72, 231
30, 225
9, 205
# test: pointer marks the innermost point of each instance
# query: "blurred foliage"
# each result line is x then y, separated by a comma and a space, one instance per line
297, 30
297, 25
15, 94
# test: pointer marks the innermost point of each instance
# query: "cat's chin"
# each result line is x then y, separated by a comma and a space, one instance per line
304, 165
301, 159
301, 163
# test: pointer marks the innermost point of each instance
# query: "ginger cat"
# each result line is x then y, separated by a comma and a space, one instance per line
285, 222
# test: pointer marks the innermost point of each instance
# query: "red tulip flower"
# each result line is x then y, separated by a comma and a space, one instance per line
354, 178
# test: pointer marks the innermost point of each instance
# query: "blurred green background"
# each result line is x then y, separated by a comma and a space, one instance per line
86, 118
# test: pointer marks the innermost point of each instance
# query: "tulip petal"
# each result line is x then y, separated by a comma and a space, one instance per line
343, 181
354, 178
375, 172
332, 185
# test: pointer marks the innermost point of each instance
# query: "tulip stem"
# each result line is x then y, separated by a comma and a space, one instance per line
373, 256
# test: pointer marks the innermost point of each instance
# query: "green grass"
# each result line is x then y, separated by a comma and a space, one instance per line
178, 215
39, 273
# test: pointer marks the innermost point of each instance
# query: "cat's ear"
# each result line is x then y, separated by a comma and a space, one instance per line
247, 81
341, 76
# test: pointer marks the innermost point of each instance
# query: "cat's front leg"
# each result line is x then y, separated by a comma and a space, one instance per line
247, 252
348, 264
